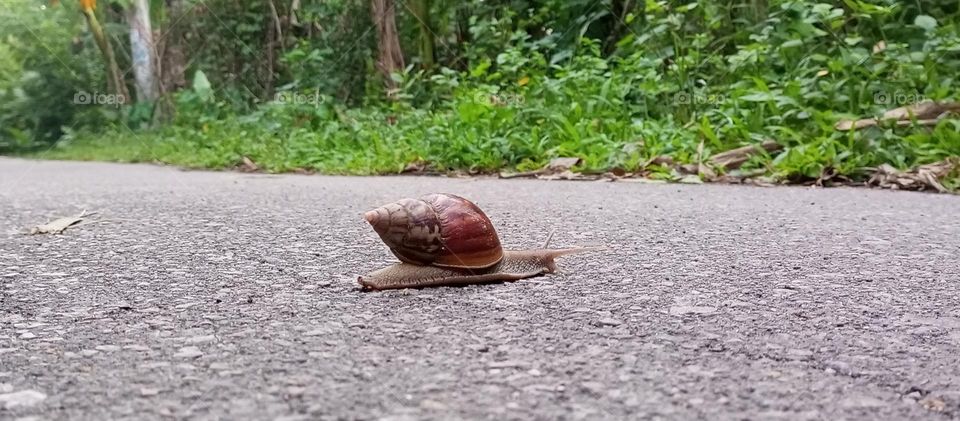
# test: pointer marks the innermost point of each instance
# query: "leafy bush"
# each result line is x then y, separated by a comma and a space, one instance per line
42, 67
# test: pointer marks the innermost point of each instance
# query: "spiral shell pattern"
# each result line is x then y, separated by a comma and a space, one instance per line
439, 230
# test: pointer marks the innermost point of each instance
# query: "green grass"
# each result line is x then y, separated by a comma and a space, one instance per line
493, 138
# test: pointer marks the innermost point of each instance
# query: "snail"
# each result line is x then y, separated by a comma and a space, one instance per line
443, 239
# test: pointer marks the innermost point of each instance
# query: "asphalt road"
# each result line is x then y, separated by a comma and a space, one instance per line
203, 295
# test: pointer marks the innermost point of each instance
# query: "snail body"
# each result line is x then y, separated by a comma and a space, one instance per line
443, 239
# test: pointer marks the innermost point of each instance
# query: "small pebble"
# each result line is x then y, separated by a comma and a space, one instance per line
610, 322
592, 387
140, 348
188, 352
107, 348
23, 398
680, 310
432, 405
219, 366
201, 339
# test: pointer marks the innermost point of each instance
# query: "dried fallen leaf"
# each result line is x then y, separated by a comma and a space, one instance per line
703, 170
919, 178
921, 111
642, 180
933, 404
248, 165
663, 160
58, 225
829, 176
879, 46
927, 113
761, 181
417, 166
689, 168
847, 125
568, 175
562, 164
556, 169
734, 158
529, 174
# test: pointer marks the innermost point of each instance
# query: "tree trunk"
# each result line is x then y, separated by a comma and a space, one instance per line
462, 16
142, 50
172, 61
269, 44
760, 11
114, 77
619, 9
421, 11
273, 42
390, 59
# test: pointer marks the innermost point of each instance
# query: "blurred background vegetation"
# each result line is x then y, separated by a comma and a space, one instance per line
380, 86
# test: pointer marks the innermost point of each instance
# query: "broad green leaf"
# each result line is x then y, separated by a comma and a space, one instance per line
926, 22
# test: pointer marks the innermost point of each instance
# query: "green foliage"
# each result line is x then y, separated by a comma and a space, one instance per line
333, 61
45, 60
521, 82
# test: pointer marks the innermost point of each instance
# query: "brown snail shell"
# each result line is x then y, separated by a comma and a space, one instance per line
438, 230
444, 239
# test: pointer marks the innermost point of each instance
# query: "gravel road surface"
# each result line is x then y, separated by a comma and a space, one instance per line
228, 296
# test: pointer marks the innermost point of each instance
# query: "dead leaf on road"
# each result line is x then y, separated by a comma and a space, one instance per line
58, 225
933, 404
